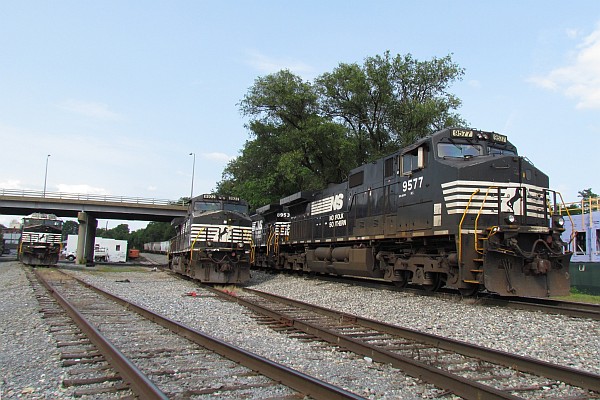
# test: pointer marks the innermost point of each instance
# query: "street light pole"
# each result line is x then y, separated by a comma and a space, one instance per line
46, 174
193, 170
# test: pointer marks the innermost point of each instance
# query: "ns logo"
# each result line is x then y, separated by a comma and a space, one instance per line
327, 204
338, 202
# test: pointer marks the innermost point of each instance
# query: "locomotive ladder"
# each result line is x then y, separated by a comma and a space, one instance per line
479, 241
477, 271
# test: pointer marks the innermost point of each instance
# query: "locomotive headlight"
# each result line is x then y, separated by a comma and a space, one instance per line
559, 221
209, 244
510, 219
240, 245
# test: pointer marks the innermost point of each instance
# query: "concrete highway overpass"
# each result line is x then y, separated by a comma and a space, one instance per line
88, 209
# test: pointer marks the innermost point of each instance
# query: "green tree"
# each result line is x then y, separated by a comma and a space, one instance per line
69, 228
390, 102
153, 232
306, 135
293, 145
587, 194
119, 232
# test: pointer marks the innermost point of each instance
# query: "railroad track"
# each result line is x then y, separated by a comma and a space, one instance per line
87, 370
469, 371
549, 306
133, 352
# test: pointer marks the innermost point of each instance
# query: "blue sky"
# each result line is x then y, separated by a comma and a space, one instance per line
120, 92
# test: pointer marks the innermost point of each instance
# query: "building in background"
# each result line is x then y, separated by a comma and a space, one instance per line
11, 235
110, 250
583, 234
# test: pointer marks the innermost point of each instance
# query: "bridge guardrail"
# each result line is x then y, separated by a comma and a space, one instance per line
89, 197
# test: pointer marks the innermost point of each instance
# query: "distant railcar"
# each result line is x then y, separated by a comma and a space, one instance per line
459, 208
213, 241
40, 242
157, 247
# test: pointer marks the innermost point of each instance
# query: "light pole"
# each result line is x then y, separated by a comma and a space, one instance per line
193, 170
46, 174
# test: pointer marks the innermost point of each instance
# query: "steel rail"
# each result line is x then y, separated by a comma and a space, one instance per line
297, 380
583, 379
456, 384
550, 306
140, 383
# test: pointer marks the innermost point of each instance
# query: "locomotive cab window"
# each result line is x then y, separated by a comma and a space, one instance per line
241, 208
498, 151
206, 206
388, 167
413, 160
459, 150
356, 179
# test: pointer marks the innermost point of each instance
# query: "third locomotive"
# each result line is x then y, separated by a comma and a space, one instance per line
458, 208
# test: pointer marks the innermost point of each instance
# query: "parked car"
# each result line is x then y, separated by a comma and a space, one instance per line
69, 255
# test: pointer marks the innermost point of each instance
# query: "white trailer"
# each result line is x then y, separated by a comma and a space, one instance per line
111, 250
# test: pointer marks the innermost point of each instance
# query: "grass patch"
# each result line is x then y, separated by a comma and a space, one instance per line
580, 297
99, 268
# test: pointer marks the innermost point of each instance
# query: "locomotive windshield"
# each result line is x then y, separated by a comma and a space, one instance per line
468, 143
40, 221
459, 150
204, 206
241, 208
498, 151
468, 150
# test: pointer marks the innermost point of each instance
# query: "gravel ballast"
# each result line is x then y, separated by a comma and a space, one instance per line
29, 360
558, 339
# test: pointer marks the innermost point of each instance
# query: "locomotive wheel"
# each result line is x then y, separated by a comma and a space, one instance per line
436, 284
402, 280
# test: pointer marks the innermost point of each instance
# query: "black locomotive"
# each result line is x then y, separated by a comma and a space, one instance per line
458, 208
213, 241
40, 241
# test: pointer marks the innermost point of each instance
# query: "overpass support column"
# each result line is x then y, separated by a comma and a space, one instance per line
86, 238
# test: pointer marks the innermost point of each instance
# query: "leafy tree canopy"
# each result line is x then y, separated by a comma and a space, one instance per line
587, 194
306, 135
69, 228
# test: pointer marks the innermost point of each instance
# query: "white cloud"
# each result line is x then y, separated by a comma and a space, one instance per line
572, 33
474, 83
269, 65
219, 157
580, 79
81, 189
89, 109
11, 184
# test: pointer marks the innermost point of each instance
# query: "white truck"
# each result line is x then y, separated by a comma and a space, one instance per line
109, 250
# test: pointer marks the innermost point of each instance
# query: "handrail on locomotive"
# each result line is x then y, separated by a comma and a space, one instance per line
549, 213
